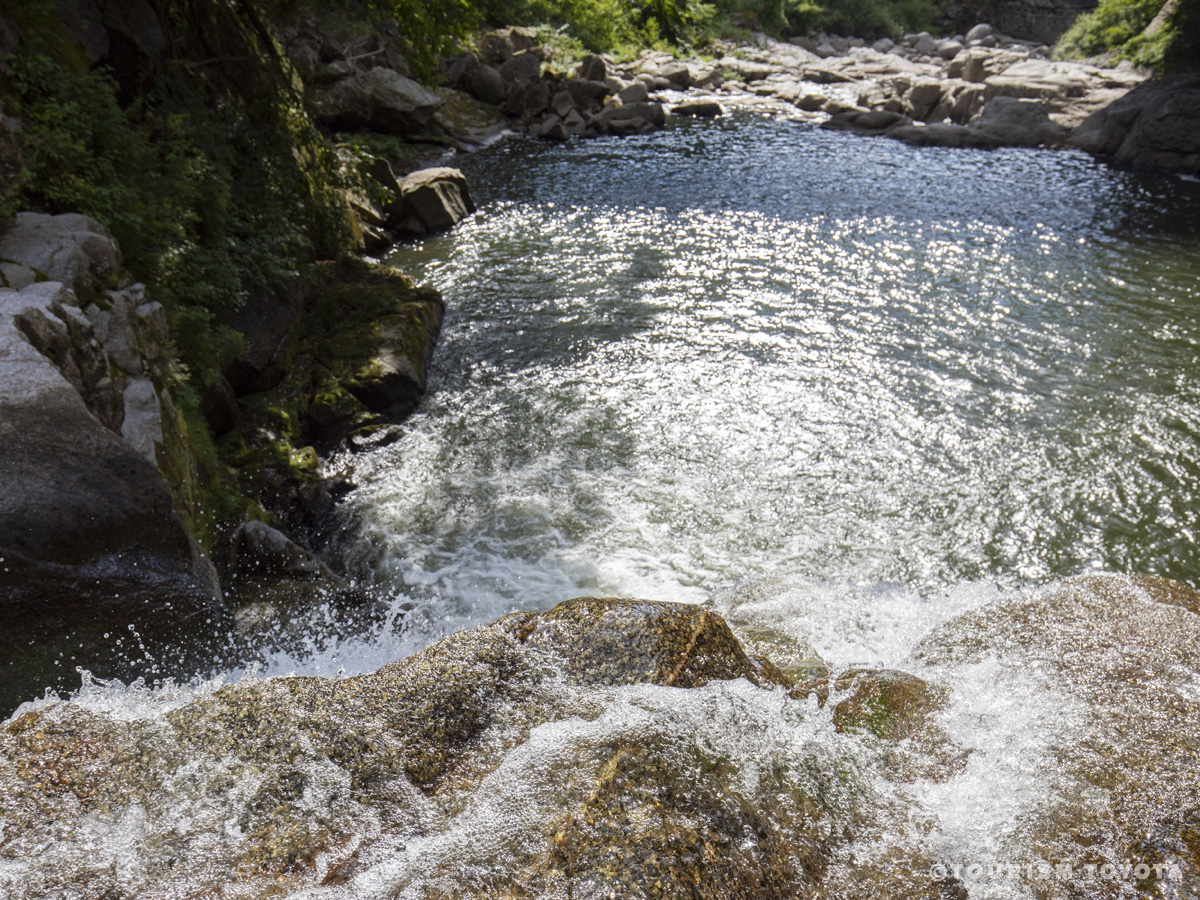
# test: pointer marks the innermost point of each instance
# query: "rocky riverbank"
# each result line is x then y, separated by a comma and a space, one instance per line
116, 556
981, 90
336, 357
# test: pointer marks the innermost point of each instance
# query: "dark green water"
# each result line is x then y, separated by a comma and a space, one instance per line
750, 347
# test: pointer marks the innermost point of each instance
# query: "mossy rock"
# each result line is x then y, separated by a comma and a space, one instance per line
886, 703
613, 641
652, 828
627, 736
380, 348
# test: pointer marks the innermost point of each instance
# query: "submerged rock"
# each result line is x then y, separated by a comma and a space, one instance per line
883, 702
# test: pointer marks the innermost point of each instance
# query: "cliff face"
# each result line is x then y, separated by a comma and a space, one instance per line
1044, 21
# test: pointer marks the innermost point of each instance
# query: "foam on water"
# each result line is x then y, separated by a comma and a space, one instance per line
731, 372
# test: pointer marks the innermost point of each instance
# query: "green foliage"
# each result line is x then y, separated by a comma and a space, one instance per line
83, 153
603, 26
210, 176
424, 30
861, 18
1117, 26
618, 25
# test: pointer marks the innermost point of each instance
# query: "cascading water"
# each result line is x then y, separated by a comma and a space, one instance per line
861, 398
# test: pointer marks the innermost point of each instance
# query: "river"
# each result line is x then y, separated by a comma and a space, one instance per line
750, 347
864, 399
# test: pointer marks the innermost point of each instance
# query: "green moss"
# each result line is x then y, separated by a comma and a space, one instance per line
205, 494
888, 704
1120, 28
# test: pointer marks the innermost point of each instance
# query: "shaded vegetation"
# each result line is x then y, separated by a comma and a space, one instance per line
1164, 36
201, 163
198, 155
624, 26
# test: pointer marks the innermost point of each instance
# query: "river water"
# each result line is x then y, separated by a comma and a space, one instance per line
750, 347
864, 399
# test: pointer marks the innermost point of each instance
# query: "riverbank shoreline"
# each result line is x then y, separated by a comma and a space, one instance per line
979, 90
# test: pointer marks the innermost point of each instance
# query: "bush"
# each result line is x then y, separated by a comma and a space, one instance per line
862, 18
209, 176
603, 26
1116, 27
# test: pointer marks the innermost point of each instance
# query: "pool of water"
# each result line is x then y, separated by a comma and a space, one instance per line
865, 400
752, 347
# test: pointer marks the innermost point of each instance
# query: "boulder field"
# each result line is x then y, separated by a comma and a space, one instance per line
612, 747
981, 89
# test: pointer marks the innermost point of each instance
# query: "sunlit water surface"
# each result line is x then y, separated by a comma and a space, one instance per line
677, 362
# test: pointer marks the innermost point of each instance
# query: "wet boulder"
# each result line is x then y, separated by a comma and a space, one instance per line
886, 703
383, 363
545, 754
1106, 664
429, 200
635, 118
612, 641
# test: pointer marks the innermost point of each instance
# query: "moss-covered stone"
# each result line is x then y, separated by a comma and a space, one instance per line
612, 641
886, 703
283, 783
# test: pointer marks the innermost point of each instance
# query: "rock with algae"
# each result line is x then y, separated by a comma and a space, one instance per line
1119, 656
616, 748
605, 730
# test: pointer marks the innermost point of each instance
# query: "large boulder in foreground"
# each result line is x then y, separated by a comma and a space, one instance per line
1154, 126
543, 755
631, 748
